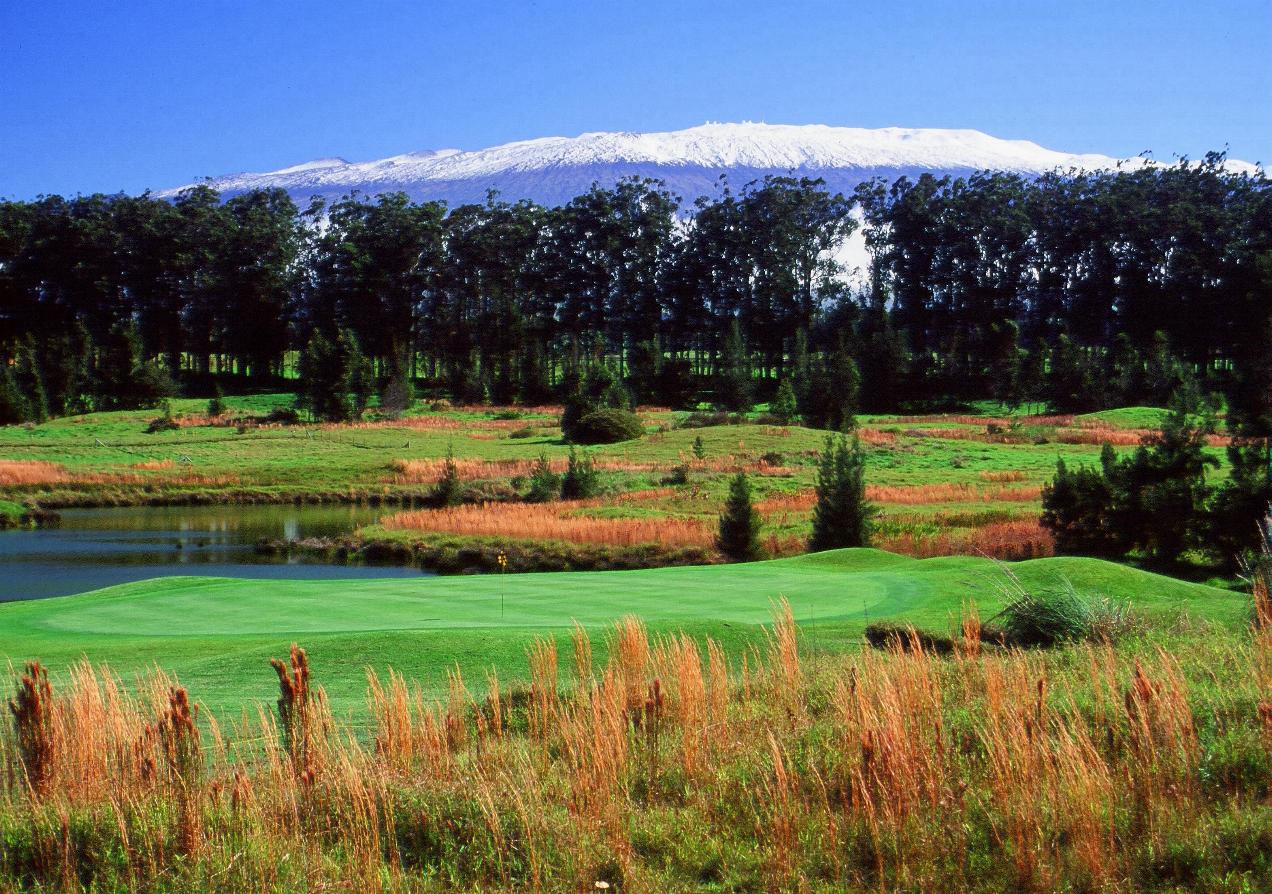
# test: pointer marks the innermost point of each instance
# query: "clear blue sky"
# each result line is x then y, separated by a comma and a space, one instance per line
106, 96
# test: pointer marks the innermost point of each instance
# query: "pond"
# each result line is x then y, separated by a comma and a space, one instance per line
95, 548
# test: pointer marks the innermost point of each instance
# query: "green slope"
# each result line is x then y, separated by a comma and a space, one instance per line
216, 634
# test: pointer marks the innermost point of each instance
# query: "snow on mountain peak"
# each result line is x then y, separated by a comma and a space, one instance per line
554, 169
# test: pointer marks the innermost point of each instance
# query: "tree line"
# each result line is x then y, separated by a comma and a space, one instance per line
1074, 290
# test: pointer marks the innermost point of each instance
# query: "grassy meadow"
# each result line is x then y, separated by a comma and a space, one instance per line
640, 761
217, 635
953, 484
704, 727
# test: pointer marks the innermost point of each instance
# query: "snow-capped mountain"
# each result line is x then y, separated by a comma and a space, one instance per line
552, 170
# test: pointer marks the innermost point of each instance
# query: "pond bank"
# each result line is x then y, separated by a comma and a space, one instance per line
474, 555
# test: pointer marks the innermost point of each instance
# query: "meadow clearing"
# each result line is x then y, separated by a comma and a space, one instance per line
953, 484
700, 727
622, 758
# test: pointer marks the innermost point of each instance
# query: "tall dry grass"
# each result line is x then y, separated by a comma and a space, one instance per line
912, 495
428, 471
1007, 540
21, 473
885, 770
565, 521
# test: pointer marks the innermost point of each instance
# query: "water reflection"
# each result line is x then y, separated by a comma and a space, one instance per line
96, 548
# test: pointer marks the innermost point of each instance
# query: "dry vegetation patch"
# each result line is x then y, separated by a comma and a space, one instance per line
566, 520
892, 769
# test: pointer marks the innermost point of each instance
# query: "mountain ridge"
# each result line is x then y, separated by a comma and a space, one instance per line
552, 170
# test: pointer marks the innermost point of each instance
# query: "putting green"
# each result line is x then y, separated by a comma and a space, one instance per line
216, 633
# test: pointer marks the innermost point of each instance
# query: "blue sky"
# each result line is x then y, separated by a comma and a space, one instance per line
98, 96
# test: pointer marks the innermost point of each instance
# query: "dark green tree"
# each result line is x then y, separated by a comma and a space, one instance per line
448, 491
784, 408
733, 391
545, 484
581, 480
842, 517
739, 536
335, 378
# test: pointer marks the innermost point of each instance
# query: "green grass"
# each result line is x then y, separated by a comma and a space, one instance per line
217, 634
1128, 417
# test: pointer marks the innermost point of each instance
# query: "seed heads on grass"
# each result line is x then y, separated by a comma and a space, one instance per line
32, 709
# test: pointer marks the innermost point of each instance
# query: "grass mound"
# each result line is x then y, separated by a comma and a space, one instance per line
214, 632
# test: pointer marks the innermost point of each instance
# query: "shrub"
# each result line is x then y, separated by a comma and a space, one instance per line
607, 426
784, 409
739, 537
216, 405
704, 419
1061, 615
678, 475
163, 422
841, 517
885, 635
524, 432
448, 491
282, 416
544, 483
581, 479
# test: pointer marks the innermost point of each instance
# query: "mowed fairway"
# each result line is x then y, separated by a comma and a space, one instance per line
216, 635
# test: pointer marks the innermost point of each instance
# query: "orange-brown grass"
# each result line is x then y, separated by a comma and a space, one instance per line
1006, 476
553, 521
883, 770
876, 437
1009, 540
910, 495
17, 473
428, 471
919, 494
155, 465
1100, 434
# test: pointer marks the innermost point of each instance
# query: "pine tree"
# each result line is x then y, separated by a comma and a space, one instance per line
784, 407
14, 407
581, 479
841, 517
733, 374
544, 483
739, 536
216, 404
448, 491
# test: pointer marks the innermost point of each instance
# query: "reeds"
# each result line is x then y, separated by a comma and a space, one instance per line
427, 471
886, 770
1008, 541
25, 473
563, 521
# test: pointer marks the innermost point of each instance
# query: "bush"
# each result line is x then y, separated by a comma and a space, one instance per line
739, 536
607, 426
524, 432
581, 479
283, 416
679, 475
1062, 615
703, 419
448, 491
216, 405
885, 635
544, 483
164, 422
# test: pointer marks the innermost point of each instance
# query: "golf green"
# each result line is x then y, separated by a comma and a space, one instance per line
216, 634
